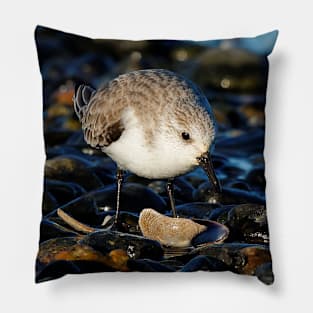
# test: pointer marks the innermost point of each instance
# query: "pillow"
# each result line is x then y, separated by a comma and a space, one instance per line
154, 155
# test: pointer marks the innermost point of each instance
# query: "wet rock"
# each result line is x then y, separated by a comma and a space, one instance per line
257, 160
127, 223
238, 184
250, 142
195, 179
77, 140
63, 192
265, 274
55, 151
248, 223
84, 209
256, 178
55, 270
237, 196
228, 196
232, 172
56, 136
219, 161
72, 250
146, 265
254, 114
134, 198
158, 186
75, 249
195, 209
220, 214
236, 119
50, 229
132, 178
89, 208
203, 193
204, 263
240, 258
49, 202
72, 169
136, 247
183, 190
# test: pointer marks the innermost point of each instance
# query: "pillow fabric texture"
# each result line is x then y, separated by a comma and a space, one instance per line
154, 155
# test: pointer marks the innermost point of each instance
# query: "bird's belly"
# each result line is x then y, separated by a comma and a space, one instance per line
144, 161
132, 152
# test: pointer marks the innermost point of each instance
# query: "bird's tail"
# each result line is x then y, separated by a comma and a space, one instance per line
82, 96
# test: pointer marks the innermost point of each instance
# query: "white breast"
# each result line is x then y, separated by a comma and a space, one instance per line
131, 152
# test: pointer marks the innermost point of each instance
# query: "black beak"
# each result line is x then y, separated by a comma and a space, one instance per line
206, 163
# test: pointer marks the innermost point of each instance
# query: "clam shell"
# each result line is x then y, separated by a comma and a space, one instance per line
169, 231
214, 234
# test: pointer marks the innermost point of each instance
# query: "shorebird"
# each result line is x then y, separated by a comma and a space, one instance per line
154, 123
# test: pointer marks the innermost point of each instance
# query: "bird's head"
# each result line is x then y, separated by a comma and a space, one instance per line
190, 133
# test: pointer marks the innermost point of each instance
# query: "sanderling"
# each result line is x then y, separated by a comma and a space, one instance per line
154, 123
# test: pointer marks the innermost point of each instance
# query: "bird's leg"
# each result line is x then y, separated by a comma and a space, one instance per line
170, 191
119, 177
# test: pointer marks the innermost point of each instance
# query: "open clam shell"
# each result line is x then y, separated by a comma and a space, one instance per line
215, 233
180, 233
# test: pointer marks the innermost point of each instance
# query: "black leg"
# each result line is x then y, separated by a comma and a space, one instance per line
170, 191
119, 177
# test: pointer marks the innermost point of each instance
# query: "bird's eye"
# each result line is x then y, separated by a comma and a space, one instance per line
185, 136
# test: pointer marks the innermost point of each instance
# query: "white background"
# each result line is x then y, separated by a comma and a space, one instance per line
288, 154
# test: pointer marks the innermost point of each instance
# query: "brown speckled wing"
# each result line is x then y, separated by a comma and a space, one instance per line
101, 124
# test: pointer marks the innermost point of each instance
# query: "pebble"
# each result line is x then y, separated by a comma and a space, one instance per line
248, 223
137, 247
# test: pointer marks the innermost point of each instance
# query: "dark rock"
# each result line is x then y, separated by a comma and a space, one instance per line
232, 172
72, 249
90, 207
127, 223
240, 258
134, 198
238, 184
56, 136
137, 247
265, 274
62, 191
55, 270
132, 178
49, 202
84, 209
228, 196
158, 186
183, 190
50, 229
251, 142
72, 169
195, 209
236, 119
220, 214
256, 178
146, 265
204, 263
194, 179
248, 223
